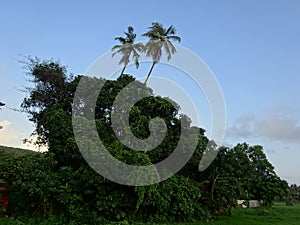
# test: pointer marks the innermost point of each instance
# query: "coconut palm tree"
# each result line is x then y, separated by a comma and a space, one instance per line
128, 48
160, 38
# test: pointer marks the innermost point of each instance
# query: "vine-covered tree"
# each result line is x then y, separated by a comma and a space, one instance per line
49, 104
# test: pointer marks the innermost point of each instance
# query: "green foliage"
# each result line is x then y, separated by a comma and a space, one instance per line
293, 193
30, 183
176, 199
242, 172
39, 190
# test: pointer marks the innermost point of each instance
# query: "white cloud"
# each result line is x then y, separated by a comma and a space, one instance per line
8, 136
242, 127
277, 125
278, 131
14, 138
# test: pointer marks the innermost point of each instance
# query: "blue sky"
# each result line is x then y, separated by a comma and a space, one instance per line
252, 47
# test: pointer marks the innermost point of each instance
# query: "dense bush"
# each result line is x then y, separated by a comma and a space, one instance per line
82, 197
177, 199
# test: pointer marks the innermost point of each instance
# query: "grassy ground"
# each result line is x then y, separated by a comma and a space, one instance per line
279, 214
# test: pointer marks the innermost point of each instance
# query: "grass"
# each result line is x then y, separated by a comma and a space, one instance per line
279, 214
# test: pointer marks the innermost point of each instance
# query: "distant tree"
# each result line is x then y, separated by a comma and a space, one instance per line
241, 172
294, 192
221, 179
263, 184
160, 38
128, 48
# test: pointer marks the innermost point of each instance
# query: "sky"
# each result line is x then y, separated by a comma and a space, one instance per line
252, 48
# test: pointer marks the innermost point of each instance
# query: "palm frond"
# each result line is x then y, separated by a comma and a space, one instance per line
150, 34
140, 47
170, 30
116, 47
156, 31
116, 52
130, 37
167, 50
130, 30
175, 38
153, 50
136, 56
170, 48
125, 59
121, 40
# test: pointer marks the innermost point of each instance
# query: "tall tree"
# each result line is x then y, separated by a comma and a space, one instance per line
128, 48
160, 38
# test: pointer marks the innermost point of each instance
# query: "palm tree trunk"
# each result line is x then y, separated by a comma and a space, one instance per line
150, 72
123, 70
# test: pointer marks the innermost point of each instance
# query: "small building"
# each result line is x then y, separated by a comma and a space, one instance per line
249, 203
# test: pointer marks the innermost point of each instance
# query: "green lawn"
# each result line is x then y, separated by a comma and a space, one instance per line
279, 214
